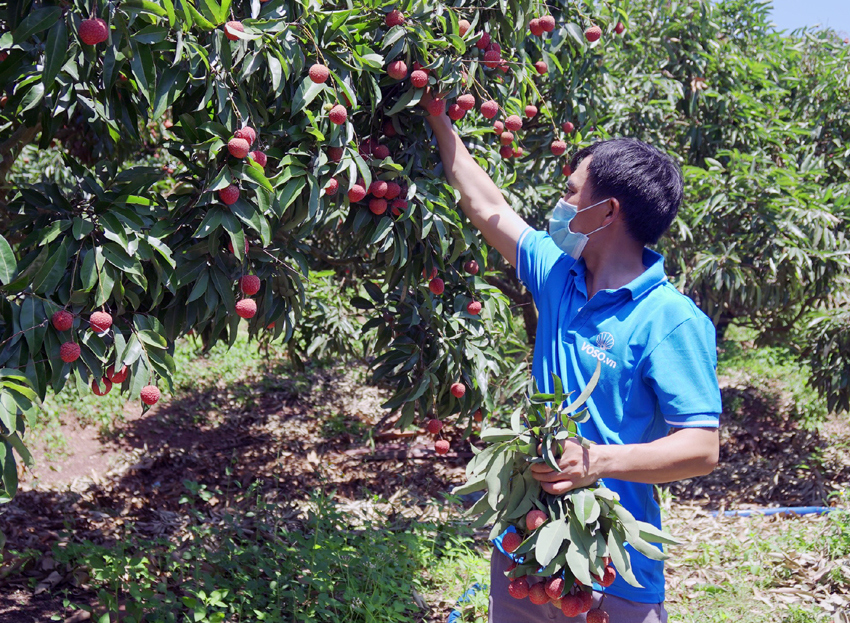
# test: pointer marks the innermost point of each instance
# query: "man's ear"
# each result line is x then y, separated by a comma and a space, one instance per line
613, 211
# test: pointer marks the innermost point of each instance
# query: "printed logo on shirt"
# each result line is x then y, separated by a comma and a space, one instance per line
605, 341
597, 353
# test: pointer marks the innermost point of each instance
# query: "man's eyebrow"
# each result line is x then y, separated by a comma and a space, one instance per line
571, 185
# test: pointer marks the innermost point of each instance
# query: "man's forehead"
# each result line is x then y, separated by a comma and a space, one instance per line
579, 176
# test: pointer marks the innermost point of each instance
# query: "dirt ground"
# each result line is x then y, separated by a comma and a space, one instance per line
295, 440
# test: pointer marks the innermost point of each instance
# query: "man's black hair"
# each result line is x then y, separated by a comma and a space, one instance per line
646, 181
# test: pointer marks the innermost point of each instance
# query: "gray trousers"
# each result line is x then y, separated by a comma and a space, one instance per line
506, 609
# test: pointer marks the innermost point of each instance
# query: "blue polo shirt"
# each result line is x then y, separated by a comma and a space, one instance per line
658, 357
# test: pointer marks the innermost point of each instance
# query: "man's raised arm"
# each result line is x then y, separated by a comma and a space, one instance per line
480, 199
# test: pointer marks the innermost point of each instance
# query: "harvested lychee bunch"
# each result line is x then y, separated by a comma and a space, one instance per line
534, 519
93, 31
547, 22
96, 387
511, 541
117, 377
537, 594
377, 206
238, 147
518, 588
229, 195
463, 27
530, 111
541, 67
150, 394
434, 426
441, 447
513, 123
231, 28
458, 390
69, 351
100, 322
249, 284
248, 133
331, 187
437, 285
62, 320
471, 267
338, 114
558, 147
246, 308
474, 308
356, 193
394, 18
436, 107
419, 78
259, 157
319, 73
397, 70
455, 112
489, 109
593, 33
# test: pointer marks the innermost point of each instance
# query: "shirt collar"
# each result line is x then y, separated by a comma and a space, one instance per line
650, 278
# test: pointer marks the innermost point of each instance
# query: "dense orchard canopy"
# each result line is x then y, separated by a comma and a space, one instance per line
172, 167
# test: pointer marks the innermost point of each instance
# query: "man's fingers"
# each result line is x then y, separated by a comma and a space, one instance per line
557, 488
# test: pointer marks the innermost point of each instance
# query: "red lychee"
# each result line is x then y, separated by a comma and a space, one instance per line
597, 616
394, 18
238, 147
498, 127
535, 27
434, 426
567, 127
398, 205
229, 195
511, 541
69, 351
331, 187
381, 152
483, 42
356, 193
319, 73
473, 308
534, 519
571, 605
100, 321
541, 67
95, 387
393, 191
558, 147
389, 128
471, 267
246, 308
441, 447
530, 111
518, 588
397, 70
513, 123
619, 28
259, 157
248, 133
378, 206
425, 273
547, 22
478, 416
593, 33
93, 31
466, 101
62, 320
149, 394
506, 152
335, 153
338, 114
419, 78
586, 598
455, 112
492, 59
458, 390
506, 138
232, 27
554, 587
117, 377
378, 188
489, 109
495, 47
437, 285
566, 170
436, 107
249, 284
518, 152
537, 594
463, 27
608, 576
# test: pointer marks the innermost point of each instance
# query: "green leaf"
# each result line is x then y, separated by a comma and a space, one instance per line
306, 93
148, 7
549, 542
55, 53
491, 435
585, 394
410, 98
620, 557
586, 507
36, 22
8, 265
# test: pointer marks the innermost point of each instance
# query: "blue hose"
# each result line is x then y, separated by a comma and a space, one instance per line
782, 510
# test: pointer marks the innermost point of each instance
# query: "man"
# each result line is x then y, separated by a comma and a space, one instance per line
603, 296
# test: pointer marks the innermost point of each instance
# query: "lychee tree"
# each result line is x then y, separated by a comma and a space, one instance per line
214, 156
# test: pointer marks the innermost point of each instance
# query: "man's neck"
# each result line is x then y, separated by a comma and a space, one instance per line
613, 267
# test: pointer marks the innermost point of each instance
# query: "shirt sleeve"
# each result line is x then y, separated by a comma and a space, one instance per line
536, 254
682, 370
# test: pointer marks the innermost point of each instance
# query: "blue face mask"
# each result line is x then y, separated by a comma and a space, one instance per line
570, 242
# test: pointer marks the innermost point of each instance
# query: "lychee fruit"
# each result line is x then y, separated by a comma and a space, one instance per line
249, 284
541, 67
95, 387
506, 152
356, 193
478, 416
436, 107
378, 206
238, 147
535, 27
492, 58
466, 101
425, 273
394, 18
100, 322
498, 127
398, 205
434, 426
248, 133
558, 147
518, 152
69, 351
117, 377
597, 616
554, 586
229, 195
458, 390
619, 28
506, 138
537, 594
246, 308
518, 588
93, 31
391, 190
511, 541
547, 22
530, 111
378, 188
335, 154
494, 46
419, 78
230, 246
381, 152
437, 285
513, 123
608, 576
571, 605
319, 73
567, 127
149, 394
586, 598
331, 187
338, 114
62, 320
463, 27
455, 112
534, 519
471, 267
233, 27
397, 70
483, 42
489, 109
593, 33
441, 447
473, 308
503, 66
259, 157
389, 128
